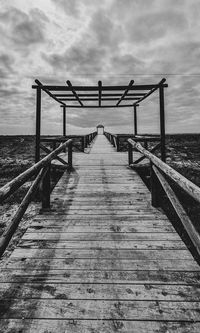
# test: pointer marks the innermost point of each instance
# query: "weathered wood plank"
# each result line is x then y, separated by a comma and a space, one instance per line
103, 264
96, 309
47, 226
94, 291
100, 326
38, 274
102, 253
141, 244
101, 236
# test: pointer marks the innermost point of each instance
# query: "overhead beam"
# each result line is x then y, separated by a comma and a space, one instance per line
96, 88
103, 95
161, 83
125, 92
98, 107
74, 92
48, 92
100, 91
102, 99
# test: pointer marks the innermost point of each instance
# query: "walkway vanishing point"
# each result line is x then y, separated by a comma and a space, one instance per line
103, 260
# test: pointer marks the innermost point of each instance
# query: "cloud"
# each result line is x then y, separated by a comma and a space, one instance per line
77, 60
106, 32
20, 28
152, 26
27, 33
6, 65
109, 40
71, 7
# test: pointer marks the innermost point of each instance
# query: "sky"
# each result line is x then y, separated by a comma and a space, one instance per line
85, 41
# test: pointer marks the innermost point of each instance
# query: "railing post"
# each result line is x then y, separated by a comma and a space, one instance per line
64, 120
130, 154
117, 143
38, 124
162, 123
135, 120
46, 188
54, 145
155, 188
83, 143
70, 156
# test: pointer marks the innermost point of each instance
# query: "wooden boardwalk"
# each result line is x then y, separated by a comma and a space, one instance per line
103, 260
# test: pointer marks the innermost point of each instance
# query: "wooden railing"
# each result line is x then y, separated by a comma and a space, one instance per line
116, 140
42, 172
161, 173
80, 142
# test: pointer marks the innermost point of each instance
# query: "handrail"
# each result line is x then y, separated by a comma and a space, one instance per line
85, 140
189, 187
189, 227
14, 184
159, 171
12, 227
42, 169
115, 139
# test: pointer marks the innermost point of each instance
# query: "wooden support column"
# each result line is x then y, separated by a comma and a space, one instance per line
130, 154
38, 124
46, 188
155, 188
135, 119
162, 123
64, 120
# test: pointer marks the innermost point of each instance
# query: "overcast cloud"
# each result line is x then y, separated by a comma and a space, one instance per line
89, 40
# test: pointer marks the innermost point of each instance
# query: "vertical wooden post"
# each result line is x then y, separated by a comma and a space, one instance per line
130, 154
117, 143
70, 156
54, 145
83, 143
135, 119
64, 121
155, 188
162, 123
38, 124
46, 188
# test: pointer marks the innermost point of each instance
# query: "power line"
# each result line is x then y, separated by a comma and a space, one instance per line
133, 74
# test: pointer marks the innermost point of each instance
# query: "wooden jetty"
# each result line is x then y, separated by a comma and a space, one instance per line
102, 259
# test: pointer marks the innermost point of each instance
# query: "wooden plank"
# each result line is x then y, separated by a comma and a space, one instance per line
101, 236
103, 264
102, 253
109, 227
97, 276
141, 244
100, 309
103, 219
100, 326
94, 291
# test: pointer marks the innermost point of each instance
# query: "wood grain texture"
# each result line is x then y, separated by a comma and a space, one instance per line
102, 260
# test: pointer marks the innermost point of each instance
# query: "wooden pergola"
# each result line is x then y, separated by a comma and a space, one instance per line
99, 96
